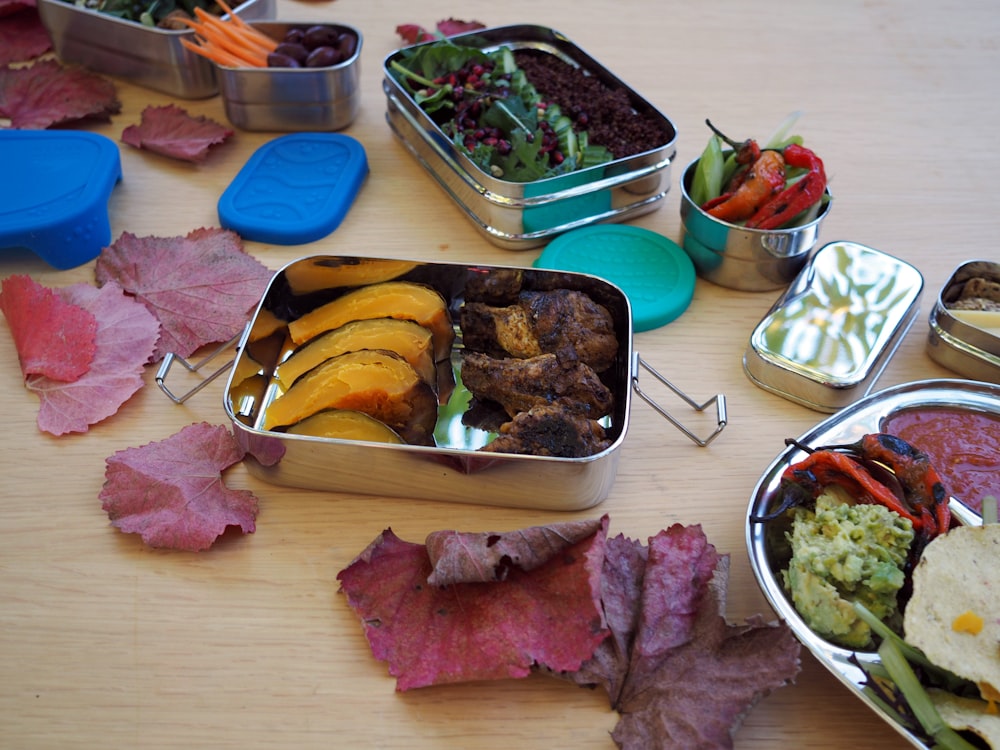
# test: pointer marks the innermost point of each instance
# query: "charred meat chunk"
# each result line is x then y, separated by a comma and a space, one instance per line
550, 430
521, 384
543, 323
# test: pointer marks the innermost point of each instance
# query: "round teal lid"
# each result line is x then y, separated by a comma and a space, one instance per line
656, 275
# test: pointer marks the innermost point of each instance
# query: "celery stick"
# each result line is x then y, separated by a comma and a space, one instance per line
707, 181
780, 137
989, 509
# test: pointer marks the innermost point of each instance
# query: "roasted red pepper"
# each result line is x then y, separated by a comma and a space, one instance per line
764, 178
797, 197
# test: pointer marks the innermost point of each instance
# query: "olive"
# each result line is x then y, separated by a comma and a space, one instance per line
278, 60
347, 45
323, 57
293, 50
320, 36
294, 36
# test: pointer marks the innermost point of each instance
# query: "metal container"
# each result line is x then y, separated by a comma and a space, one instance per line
293, 99
826, 340
767, 548
962, 340
453, 469
752, 260
144, 55
516, 215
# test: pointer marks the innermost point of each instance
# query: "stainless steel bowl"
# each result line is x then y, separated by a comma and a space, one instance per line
956, 342
293, 99
753, 260
150, 57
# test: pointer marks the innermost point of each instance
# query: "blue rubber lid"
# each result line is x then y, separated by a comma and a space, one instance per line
295, 189
54, 193
656, 275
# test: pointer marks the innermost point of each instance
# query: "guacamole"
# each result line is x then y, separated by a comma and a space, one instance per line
842, 553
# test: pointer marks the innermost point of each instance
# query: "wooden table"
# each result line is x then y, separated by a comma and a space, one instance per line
105, 642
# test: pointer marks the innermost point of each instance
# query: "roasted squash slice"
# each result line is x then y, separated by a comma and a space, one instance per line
315, 274
381, 384
345, 424
407, 338
392, 299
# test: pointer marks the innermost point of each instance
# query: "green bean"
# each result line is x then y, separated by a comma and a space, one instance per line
707, 181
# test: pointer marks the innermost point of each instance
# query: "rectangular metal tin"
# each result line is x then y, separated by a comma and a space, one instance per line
150, 57
967, 349
291, 100
453, 470
516, 215
827, 338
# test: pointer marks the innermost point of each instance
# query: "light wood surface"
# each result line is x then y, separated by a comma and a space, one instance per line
105, 642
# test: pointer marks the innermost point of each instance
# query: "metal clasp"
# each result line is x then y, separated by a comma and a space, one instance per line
719, 400
170, 358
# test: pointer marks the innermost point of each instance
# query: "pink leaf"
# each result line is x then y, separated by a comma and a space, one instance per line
200, 287
171, 131
126, 335
171, 492
22, 35
46, 93
430, 635
53, 337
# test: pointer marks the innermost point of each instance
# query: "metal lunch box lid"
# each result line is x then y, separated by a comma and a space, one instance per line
828, 337
958, 339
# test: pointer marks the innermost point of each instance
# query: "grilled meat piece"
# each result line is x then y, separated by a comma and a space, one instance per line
542, 323
520, 384
496, 286
550, 430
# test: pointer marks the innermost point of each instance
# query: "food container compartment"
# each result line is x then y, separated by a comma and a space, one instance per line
146, 56
968, 340
827, 338
293, 99
515, 215
752, 260
768, 551
451, 468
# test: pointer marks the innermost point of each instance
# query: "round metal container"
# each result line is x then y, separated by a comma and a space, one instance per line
753, 260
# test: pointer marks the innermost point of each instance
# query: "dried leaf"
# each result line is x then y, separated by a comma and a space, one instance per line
126, 335
22, 35
430, 635
53, 337
46, 93
200, 287
171, 131
171, 492
412, 33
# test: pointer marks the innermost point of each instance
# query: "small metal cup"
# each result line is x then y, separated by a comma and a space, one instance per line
753, 260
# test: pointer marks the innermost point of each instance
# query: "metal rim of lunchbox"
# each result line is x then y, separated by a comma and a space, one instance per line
638, 364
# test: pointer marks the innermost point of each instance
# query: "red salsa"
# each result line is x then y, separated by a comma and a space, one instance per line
962, 445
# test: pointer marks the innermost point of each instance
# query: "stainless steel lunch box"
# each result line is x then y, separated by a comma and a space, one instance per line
452, 469
516, 215
826, 340
293, 99
957, 343
144, 55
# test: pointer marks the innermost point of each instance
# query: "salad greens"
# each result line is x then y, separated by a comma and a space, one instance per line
146, 12
485, 104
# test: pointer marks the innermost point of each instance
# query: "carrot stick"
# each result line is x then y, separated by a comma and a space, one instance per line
218, 38
232, 32
237, 21
216, 55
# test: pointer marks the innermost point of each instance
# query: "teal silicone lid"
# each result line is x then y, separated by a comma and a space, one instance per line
656, 275
54, 193
295, 189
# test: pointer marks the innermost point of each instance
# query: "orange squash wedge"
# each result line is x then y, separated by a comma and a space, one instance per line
379, 383
391, 299
316, 274
345, 424
407, 338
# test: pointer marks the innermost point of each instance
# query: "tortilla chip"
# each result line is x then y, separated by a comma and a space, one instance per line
957, 575
967, 715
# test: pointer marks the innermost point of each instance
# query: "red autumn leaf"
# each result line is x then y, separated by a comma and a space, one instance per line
458, 557
46, 93
431, 635
53, 337
201, 287
14, 6
171, 492
126, 335
412, 33
22, 35
171, 131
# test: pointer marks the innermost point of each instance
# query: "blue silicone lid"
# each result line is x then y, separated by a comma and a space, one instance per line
54, 193
653, 271
295, 189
